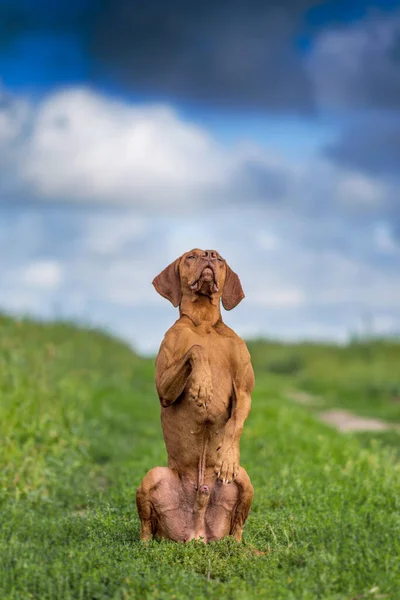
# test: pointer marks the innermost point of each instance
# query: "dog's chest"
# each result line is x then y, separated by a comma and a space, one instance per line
217, 348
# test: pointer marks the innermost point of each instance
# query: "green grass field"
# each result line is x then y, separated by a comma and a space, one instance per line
79, 427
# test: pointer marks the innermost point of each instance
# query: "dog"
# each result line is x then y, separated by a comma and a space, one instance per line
204, 379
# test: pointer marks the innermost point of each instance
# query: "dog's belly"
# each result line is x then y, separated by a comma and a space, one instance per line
193, 433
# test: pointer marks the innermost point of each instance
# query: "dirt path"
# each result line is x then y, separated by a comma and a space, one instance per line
343, 420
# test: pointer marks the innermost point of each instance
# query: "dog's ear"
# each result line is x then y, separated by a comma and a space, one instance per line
232, 293
168, 284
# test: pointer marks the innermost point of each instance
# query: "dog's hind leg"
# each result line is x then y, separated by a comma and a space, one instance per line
242, 508
163, 505
144, 504
158, 492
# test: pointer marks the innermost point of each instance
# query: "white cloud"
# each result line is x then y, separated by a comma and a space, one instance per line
278, 297
307, 269
294, 289
87, 147
360, 191
108, 233
384, 240
266, 240
79, 146
46, 274
14, 113
382, 324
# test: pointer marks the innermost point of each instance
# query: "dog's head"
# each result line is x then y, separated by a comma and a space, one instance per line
200, 272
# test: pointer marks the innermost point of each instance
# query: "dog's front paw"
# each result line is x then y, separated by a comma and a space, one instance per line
227, 466
200, 389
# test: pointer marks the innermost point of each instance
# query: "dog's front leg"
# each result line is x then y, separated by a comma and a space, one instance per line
228, 461
200, 381
172, 376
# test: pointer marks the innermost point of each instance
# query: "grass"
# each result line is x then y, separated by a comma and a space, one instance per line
363, 377
79, 426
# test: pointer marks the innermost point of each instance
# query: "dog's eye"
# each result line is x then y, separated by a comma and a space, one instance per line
220, 259
189, 257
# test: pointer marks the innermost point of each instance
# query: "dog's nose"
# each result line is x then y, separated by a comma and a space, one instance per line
209, 254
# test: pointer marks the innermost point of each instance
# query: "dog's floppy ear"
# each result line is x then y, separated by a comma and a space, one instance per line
168, 284
232, 293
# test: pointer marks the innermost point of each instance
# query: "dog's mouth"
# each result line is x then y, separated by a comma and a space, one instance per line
207, 276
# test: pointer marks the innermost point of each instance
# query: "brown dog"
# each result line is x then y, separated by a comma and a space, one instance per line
204, 379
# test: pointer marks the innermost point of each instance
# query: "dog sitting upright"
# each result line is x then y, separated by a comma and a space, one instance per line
204, 379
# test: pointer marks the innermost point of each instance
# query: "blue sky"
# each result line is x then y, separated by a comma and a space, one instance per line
131, 131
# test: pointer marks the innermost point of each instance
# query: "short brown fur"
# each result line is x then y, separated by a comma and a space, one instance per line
204, 379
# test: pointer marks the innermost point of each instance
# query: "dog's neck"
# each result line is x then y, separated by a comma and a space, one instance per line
202, 309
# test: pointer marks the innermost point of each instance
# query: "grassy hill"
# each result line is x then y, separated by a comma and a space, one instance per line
79, 427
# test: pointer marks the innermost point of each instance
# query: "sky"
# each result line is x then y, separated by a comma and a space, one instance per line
134, 130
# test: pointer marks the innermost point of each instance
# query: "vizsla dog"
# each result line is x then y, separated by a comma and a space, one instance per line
204, 379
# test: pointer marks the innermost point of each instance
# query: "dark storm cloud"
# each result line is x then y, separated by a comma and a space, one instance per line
371, 146
358, 66
236, 53
21, 17
12, 22
240, 53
